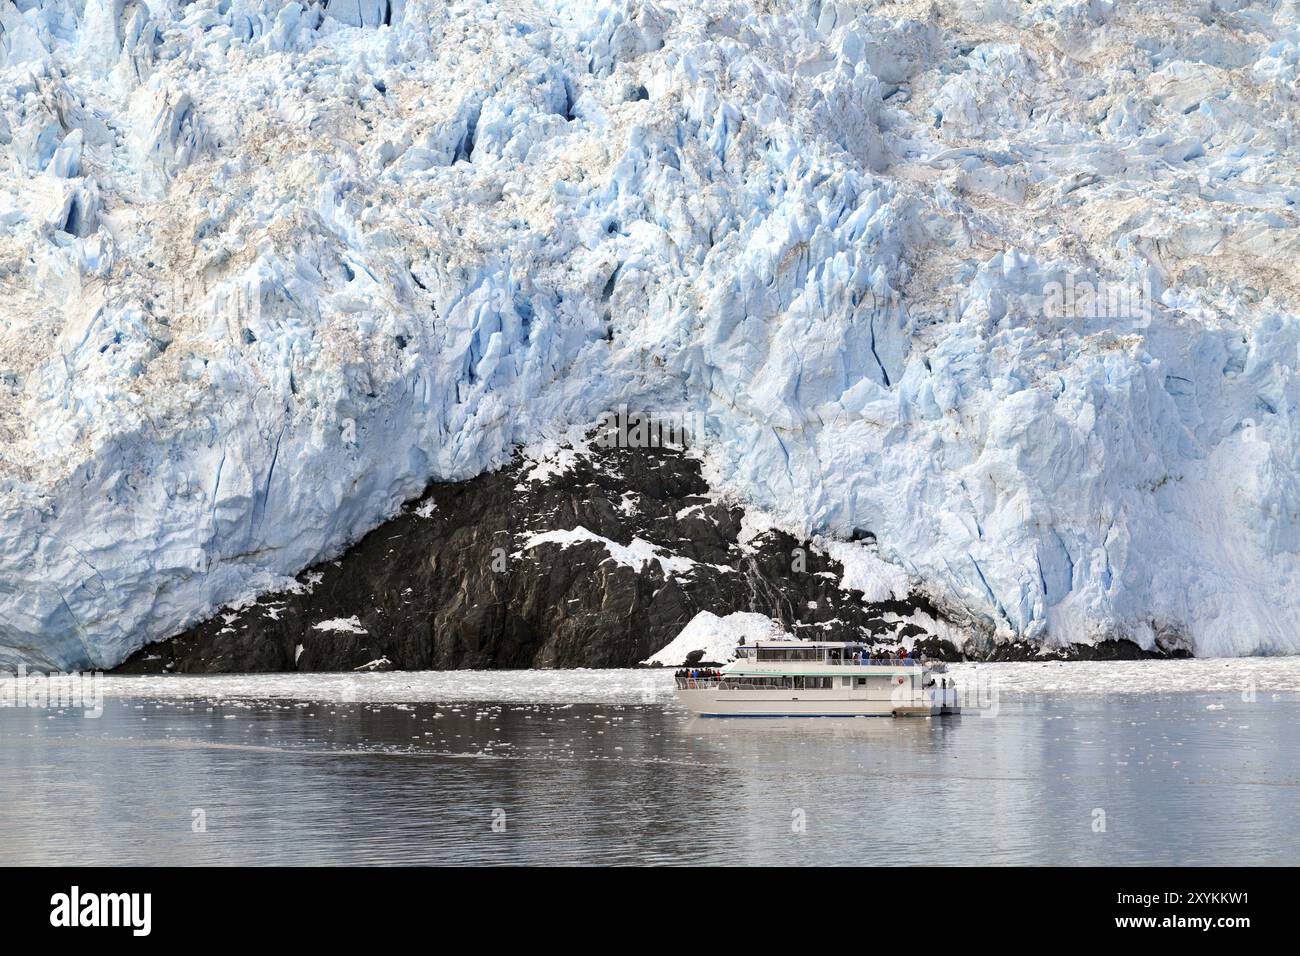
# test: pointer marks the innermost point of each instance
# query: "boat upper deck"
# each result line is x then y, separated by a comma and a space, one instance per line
833, 654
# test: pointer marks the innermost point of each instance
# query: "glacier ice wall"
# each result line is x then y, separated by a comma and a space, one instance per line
268, 267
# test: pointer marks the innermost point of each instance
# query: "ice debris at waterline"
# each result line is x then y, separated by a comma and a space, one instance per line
267, 268
1243, 684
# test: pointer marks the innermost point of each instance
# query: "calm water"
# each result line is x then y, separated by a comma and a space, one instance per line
304, 783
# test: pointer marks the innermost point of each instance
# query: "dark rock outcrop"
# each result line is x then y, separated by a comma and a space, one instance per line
638, 546
456, 581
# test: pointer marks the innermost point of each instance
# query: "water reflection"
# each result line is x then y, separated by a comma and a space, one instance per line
361, 783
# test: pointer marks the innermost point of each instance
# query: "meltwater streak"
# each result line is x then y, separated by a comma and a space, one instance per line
1179, 778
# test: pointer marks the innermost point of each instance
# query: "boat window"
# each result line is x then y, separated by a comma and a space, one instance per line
812, 683
786, 682
790, 653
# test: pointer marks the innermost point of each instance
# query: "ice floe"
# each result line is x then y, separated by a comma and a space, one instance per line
1252, 681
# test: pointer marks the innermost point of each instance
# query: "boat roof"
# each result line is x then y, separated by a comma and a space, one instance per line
798, 643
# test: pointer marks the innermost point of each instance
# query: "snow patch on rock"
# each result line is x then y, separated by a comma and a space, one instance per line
864, 571
717, 637
349, 625
635, 555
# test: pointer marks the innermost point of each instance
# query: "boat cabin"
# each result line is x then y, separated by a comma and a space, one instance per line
818, 653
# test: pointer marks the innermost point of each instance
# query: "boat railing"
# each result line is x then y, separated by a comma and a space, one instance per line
833, 657
875, 662
698, 683
732, 683
735, 683
702, 683
844, 661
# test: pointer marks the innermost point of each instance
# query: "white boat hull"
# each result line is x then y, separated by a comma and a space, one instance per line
711, 702
793, 678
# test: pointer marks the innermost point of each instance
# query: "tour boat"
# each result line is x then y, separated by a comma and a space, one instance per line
817, 679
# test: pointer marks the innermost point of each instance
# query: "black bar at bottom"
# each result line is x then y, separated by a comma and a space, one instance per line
324, 906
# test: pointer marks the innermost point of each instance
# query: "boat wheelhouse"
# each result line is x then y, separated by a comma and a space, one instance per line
818, 679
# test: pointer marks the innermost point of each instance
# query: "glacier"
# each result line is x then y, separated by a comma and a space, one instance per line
267, 268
